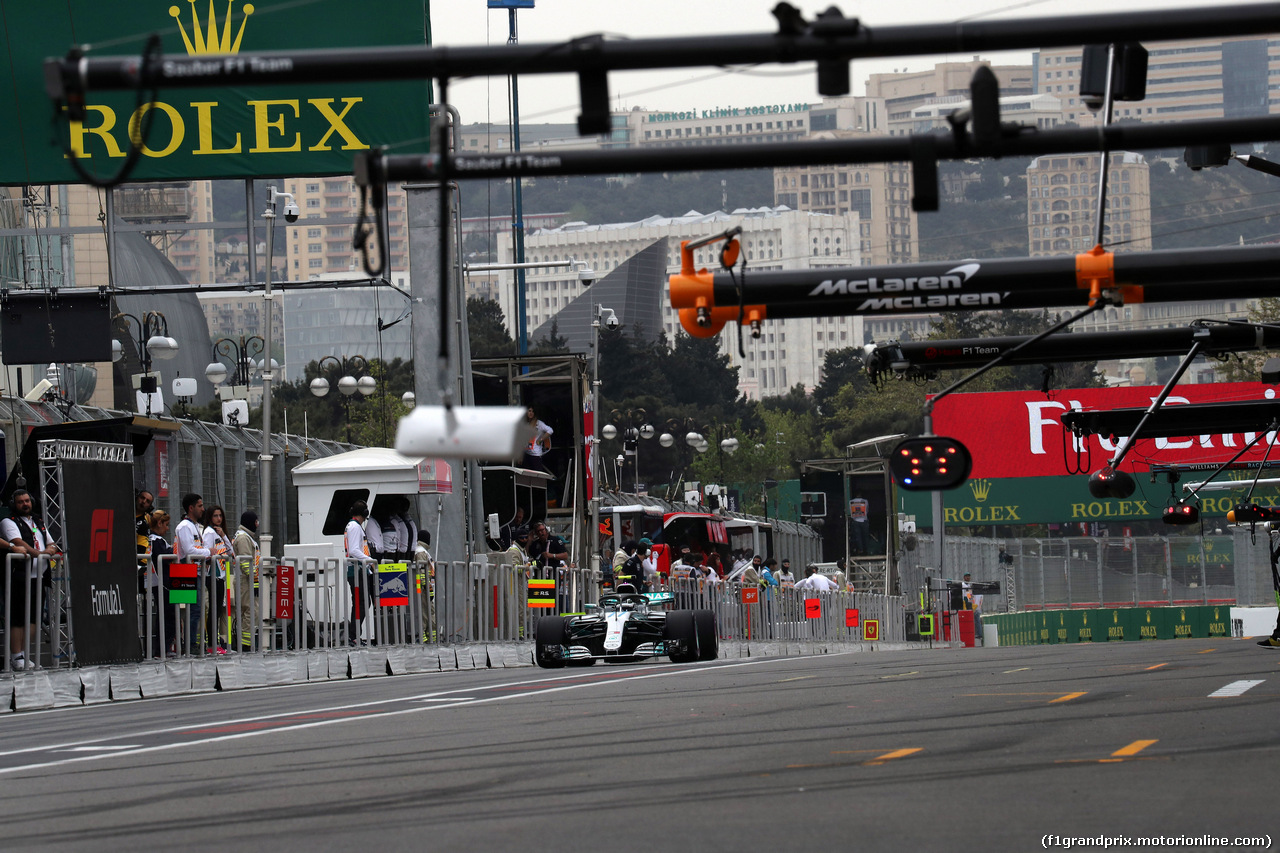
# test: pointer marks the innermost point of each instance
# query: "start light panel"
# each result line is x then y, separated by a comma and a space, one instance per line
930, 463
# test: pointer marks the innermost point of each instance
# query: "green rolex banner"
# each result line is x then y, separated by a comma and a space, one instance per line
1065, 500
234, 132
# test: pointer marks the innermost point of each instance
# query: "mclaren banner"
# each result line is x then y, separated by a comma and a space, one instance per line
209, 133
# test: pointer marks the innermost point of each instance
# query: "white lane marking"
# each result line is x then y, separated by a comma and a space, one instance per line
449, 699
44, 765
264, 717
99, 748
1236, 688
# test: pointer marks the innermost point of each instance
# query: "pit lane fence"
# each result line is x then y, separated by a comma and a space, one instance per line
1081, 572
207, 607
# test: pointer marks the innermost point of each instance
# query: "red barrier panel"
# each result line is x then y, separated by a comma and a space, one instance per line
966, 628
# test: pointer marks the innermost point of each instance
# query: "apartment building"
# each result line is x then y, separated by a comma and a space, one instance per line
879, 193
1062, 193
890, 100
789, 352
1198, 79
315, 249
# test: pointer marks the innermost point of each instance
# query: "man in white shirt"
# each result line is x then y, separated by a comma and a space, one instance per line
539, 444
649, 560
815, 580
359, 567
188, 544
25, 535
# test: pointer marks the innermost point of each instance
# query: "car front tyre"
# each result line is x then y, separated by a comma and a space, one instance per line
549, 640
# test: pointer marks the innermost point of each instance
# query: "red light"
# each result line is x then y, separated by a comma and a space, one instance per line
942, 469
906, 452
928, 448
915, 471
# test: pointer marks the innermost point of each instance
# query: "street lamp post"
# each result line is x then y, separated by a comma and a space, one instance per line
597, 316
274, 197
696, 441
635, 427
240, 355
348, 384
153, 342
725, 443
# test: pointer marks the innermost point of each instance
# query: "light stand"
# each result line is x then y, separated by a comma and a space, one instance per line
153, 342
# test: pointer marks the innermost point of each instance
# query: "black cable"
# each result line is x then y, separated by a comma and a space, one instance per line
150, 57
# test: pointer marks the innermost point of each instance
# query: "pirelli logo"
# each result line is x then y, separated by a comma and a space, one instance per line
542, 593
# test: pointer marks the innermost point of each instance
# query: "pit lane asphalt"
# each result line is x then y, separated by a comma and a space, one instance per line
904, 750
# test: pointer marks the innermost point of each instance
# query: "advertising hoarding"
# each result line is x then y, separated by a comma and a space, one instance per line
233, 132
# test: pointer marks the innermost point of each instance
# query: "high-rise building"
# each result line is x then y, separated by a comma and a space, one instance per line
344, 321
891, 98
1194, 79
314, 249
1062, 202
788, 353
879, 193
233, 315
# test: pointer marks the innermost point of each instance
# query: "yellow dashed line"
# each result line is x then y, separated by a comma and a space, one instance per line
797, 678
1133, 748
1157, 666
1068, 697
1205, 651
890, 756
901, 674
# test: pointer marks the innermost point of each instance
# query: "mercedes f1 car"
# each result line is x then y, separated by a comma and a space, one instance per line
627, 626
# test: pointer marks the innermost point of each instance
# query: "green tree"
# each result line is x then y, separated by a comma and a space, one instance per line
1247, 366
853, 409
700, 374
553, 344
771, 452
487, 329
373, 419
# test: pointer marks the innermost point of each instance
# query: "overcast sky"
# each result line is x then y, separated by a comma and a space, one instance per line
554, 98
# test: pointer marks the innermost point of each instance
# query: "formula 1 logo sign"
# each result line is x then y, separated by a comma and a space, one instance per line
1020, 433
100, 537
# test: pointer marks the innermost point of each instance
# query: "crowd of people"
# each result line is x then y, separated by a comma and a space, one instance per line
225, 600
636, 563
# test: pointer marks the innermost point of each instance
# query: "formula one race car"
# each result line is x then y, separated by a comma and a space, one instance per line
627, 626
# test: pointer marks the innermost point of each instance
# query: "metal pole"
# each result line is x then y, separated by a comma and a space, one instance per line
594, 455
1100, 219
264, 458
517, 214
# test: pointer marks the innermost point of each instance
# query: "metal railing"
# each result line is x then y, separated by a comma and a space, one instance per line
212, 606
1229, 567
